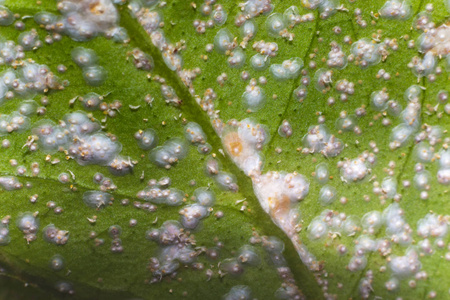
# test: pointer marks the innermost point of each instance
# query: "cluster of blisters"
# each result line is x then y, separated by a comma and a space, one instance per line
293, 17
366, 53
267, 49
235, 266
224, 41
410, 118
224, 180
433, 225
396, 9
423, 66
142, 60
176, 247
278, 194
276, 26
379, 100
6, 16
14, 122
365, 285
170, 95
332, 223
326, 8
319, 140
83, 20
97, 199
274, 247
87, 60
169, 153
192, 214
55, 236
27, 78
194, 134
217, 16
152, 21
10, 183
160, 193
443, 174
79, 135
147, 139
285, 129
254, 8
289, 69
29, 225
345, 88
336, 57
114, 231
436, 41
4, 234
243, 141
238, 292
29, 40
105, 183
323, 79
254, 97
355, 170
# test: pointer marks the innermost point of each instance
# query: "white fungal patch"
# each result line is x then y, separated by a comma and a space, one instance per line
243, 141
405, 266
278, 193
433, 225
85, 19
96, 149
354, 170
436, 41
396, 9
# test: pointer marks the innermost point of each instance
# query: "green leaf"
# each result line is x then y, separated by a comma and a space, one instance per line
263, 204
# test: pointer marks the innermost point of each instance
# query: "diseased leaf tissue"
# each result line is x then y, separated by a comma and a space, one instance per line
224, 149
